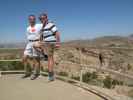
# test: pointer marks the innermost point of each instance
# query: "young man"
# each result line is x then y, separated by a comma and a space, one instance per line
51, 40
33, 31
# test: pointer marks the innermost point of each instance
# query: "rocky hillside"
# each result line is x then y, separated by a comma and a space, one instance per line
116, 51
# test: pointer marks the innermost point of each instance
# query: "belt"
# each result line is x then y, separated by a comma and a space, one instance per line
33, 40
50, 41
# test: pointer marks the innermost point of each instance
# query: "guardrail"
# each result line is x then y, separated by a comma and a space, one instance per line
83, 67
11, 60
103, 69
109, 71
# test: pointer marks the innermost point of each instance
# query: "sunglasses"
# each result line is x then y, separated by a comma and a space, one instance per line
42, 18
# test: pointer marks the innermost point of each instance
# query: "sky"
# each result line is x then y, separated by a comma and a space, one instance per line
75, 19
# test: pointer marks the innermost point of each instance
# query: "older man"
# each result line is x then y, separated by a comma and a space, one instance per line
33, 36
51, 40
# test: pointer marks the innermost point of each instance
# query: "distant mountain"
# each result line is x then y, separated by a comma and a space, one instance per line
105, 41
13, 45
112, 41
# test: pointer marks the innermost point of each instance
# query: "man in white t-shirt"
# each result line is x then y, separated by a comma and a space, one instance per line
33, 36
51, 40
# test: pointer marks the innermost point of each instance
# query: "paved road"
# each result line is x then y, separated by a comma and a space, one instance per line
12, 87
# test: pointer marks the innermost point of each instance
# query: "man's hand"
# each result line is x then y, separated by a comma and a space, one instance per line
58, 44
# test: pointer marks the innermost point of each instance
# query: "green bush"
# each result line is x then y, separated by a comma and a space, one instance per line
94, 75
63, 73
107, 82
13, 65
116, 82
86, 77
75, 77
89, 76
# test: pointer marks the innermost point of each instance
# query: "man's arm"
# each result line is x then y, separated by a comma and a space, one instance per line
57, 36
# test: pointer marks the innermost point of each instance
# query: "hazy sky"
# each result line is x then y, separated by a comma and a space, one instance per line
75, 18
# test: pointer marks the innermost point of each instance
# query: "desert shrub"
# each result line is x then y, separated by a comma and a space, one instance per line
89, 76
13, 65
94, 75
75, 77
130, 93
63, 73
129, 67
107, 82
86, 77
116, 82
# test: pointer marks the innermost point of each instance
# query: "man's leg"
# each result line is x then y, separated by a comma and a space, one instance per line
27, 67
50, 68
50, 52
49, 49
26, 60
36, 64
50, 63
36, 68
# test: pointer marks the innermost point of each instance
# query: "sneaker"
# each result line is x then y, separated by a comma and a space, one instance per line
51, 76
34, 76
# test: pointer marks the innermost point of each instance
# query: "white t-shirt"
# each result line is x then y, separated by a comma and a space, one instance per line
33, 33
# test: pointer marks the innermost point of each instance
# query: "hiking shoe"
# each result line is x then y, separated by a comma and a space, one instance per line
34, 76
50, 76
